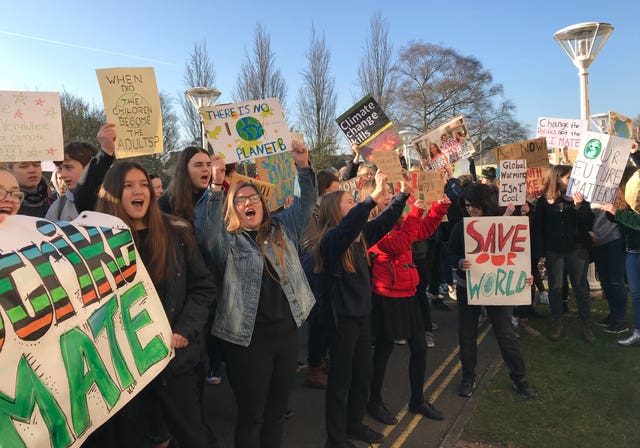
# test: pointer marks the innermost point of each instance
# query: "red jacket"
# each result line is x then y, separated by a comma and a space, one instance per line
393, 273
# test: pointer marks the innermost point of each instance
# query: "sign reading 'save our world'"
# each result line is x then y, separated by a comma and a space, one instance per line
598, 170
82, 329
499, 249
246, 130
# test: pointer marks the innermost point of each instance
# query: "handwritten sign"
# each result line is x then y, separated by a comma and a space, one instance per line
535, 153
30, 126
446, 143
512, 187
499, 249
561, 133
280, 171
246, 130
366, 125
389, 163
131, 101
82, 329
598, 170
266, 189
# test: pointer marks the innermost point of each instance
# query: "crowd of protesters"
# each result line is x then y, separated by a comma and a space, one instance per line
237, 281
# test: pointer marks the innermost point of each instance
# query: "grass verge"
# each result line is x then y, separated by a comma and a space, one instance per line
589, 395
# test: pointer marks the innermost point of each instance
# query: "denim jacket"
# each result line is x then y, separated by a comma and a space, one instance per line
240, 259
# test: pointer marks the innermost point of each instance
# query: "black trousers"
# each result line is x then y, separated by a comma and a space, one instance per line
500, 318
261, 376
421, 292
318, 339
417, 365
349, 376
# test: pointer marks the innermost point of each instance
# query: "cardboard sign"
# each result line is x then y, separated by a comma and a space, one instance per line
30, 126
561, 133
598, 170
280, 171
535, 153
246, 130
131, 101
366, 125
620, 126
512, 182
82, 329
266, 189
389, 163
430, 186
499, 249
444, 144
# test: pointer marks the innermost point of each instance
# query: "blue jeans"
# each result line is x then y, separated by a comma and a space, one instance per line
576, 263
610, 264
633, 277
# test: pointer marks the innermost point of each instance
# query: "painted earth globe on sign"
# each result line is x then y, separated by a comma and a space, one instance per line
249, 129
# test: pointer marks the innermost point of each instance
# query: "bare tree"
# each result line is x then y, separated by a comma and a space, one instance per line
376, 75
80, 120
259, 76
198, 72
436, 83
317, 103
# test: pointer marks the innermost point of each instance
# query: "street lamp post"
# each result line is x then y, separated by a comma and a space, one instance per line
202, 97
582, 43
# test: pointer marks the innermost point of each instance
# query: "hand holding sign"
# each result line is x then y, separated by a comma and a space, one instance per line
300, 153
381, 181
217, 170
107, 137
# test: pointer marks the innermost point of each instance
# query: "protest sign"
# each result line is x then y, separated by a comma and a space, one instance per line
620, 126
444, 144
30, 126
535, 153
353, 186
131, 102
632, 192
266, 189
82, 329
366, 125
430, 186
247, 129
561, 133
598, 170
280, 171
389, 163
512, 183
499, 249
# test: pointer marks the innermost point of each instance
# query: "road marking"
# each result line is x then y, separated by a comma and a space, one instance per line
416, 419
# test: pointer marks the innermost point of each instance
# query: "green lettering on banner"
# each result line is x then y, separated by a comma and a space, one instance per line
102, 319
31, 391
77, 349
156, 349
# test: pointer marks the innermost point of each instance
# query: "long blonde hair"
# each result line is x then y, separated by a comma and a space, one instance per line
233, 225
330, 216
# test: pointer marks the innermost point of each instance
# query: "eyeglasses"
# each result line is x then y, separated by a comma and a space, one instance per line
17, 195
242, 200
467, 205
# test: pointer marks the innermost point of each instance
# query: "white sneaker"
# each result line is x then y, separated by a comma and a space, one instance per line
400, 342
431, 342
544, 298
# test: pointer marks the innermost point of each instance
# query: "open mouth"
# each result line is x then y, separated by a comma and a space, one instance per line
138, 203
6, 210
250, 213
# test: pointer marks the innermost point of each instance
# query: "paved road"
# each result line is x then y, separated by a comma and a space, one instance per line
306, 428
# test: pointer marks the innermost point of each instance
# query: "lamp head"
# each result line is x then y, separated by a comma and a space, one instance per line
583, 41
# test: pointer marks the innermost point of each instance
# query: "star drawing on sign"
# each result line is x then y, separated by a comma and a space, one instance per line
18, 114
51, 112
51, 150
40, 102
20, 98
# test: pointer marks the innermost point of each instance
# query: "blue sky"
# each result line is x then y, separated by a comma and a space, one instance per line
513, 40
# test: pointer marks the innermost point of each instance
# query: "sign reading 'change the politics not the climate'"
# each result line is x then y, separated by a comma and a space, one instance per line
499, 249
246, 130
82, 329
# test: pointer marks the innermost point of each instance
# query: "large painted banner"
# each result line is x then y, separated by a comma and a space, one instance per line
446, 143
30, 126
82, 329
598, 170
366, 125
246, 130
535, 153
132, 103
499, 249
279, 170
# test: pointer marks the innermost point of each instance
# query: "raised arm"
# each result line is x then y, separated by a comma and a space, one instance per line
86, 192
